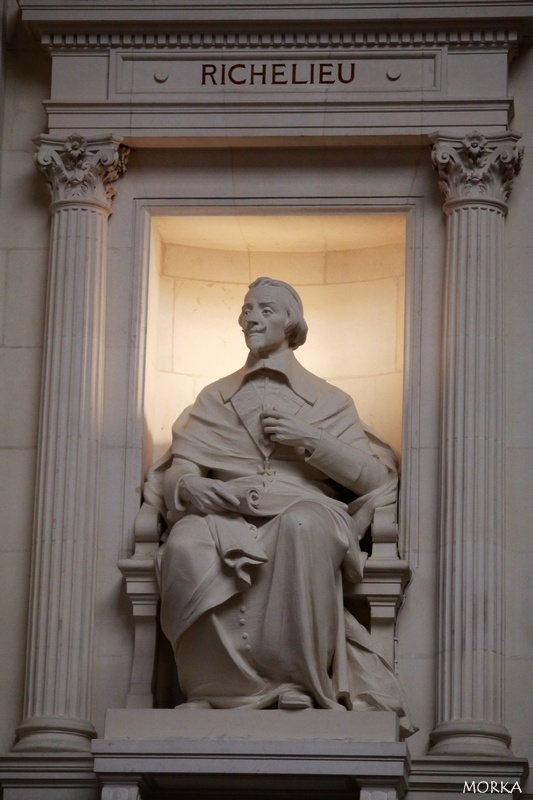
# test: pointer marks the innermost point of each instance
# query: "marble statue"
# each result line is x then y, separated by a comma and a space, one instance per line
269, 485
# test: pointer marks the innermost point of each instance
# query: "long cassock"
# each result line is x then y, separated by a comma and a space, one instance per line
252, 600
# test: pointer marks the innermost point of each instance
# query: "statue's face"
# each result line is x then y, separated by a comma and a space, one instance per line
263, 319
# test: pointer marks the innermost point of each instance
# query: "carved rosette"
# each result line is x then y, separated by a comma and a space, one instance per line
82, 170
477, 167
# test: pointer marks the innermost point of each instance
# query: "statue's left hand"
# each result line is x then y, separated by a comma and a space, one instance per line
285, 428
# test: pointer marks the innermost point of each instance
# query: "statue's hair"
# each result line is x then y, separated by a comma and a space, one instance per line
296, 326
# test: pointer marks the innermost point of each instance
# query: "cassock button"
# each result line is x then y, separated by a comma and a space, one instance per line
247, 647
242, 622
245, 636
242, 609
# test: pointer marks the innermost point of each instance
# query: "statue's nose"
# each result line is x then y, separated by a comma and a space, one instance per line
252, 318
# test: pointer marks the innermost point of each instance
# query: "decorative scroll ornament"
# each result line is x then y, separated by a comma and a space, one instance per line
477, 166
82, 170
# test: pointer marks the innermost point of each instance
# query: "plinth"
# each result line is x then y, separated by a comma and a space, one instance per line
149, 754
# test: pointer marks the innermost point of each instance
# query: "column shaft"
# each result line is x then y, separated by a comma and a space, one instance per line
471, 556
60, 634
476, 173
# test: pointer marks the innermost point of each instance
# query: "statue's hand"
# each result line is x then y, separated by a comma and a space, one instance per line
207, 495
285, 428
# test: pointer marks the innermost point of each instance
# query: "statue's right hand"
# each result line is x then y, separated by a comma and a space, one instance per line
207, 495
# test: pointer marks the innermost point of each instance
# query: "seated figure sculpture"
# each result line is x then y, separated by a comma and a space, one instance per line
269, 485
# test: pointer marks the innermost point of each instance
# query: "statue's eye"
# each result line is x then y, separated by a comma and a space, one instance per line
267, 311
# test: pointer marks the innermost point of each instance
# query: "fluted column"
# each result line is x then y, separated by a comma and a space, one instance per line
80, 174
476, 174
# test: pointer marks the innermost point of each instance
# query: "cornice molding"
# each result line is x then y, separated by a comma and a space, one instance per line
471, 38
127, 18
74, 11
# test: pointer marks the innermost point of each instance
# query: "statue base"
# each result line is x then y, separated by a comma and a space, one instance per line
317, 753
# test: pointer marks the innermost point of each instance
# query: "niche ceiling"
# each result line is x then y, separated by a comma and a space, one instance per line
283, 233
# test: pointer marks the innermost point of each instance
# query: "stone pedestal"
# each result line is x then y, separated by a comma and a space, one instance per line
476, 173
48, 776
320, 753
80, 174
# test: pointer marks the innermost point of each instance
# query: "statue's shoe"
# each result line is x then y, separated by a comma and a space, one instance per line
295, 700
194, 704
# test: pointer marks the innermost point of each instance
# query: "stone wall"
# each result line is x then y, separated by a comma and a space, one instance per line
139, 378
24, 226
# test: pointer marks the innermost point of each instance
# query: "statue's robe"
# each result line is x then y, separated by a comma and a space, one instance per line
252, 601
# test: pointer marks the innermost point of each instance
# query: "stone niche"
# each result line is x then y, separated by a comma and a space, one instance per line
349, 270
419, 70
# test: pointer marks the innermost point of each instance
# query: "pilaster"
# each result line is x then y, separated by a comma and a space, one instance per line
476, 173
80, 174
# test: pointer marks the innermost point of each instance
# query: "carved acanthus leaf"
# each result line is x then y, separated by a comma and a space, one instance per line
477, 166
80, 169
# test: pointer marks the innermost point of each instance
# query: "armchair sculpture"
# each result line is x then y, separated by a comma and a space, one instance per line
269, 485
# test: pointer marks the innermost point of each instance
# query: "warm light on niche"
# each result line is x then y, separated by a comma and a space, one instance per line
349, 270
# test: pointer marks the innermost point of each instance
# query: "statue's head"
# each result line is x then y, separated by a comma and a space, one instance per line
272, 317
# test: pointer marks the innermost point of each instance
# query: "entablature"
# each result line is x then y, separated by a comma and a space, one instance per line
169, 73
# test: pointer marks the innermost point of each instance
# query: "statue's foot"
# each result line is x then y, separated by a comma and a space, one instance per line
194, 704
292, 701
362, 705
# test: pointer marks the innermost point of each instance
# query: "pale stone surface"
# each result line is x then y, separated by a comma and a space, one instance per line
378, 793
366, 317
476, 175
371, 263
19, 395
233, 725
47, 777
201, 755
186, 302
206, 264
296, 267
216, 307
119, 281
14, 567
24, 220
173, 391
326, 173
24, 307
121, 793
115, 389
378, 403
29, 81
23, 225
80, 174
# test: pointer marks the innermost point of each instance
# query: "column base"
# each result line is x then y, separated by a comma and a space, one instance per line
470, 738
54, 734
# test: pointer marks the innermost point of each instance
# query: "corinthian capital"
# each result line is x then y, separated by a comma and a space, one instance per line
82, 170
477, 166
